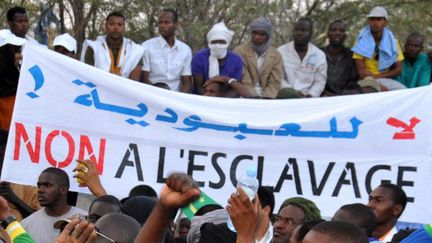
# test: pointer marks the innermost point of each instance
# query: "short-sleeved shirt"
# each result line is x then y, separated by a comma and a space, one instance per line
341, 71
416, 75
232, 67
166, 64
39, 225
371, 65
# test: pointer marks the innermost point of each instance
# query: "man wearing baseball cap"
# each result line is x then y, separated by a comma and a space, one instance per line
377, 52
65, 44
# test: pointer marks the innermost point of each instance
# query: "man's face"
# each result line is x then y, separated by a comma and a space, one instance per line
302, 32
48, 190
167, 26
259, 37
287, 220
100, 209
19, 25
64, 51
115, 27
377, 24
336, 34
413, 47
381, 203
184, 227
313, 237
213, 90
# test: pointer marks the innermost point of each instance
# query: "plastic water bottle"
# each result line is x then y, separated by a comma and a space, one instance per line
249, 183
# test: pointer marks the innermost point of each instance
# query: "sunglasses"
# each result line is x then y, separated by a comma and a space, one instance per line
97, 230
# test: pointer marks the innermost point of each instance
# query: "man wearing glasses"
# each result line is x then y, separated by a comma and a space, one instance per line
293, 212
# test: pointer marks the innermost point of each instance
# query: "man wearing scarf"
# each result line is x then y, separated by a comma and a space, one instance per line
262, 64
377, 52
216, 63
113, 52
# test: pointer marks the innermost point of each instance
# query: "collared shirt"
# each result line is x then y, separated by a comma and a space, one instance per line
232, 67
166, 64
389, 235
309, 75
268, 235
416, 75
340, 71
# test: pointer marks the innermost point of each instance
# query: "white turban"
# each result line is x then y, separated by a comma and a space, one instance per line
220, 32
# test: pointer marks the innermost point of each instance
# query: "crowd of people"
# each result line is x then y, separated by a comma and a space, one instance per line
254, 69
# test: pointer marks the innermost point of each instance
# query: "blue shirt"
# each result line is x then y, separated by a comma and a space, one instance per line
232, 67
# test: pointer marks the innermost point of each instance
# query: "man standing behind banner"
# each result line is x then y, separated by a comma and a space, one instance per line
216, 63
305, 65
262, 64
113, 52
166, 59
377, 52
18, 22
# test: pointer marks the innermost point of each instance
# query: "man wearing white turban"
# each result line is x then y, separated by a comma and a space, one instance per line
216, 63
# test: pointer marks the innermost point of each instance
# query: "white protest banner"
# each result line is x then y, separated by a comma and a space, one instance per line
333, 151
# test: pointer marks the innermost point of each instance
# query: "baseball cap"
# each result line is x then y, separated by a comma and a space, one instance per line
67, 41
7, 37
379, 12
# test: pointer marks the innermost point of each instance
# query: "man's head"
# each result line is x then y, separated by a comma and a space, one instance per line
387, 201
216, 89
184, 227
358, 214
267, 201
413, 45
301, 231
377, 19
118, 227
53, 186
143, 190
65, 44
115, 25
18, 21
335, 232
168, 21
102, 206
336, 33
261, 29
293, 212
303, 30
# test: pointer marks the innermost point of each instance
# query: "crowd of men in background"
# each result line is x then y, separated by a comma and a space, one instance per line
255, 69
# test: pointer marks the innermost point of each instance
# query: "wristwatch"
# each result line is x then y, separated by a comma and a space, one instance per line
7, 221
231, 81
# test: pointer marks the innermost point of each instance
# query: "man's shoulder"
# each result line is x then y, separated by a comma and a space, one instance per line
32, 217
150, 41
75, 210
286, 46
183, 45
234, 56
203, 52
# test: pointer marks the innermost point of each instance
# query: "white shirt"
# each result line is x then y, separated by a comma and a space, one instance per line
389, 235
308, 75
167, 64
268, 235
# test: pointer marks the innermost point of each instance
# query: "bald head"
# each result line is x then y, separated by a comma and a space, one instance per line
117, 226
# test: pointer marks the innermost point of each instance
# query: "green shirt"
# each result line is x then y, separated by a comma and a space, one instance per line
415, 75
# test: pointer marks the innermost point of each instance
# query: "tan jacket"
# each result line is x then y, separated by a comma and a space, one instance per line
271, 75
